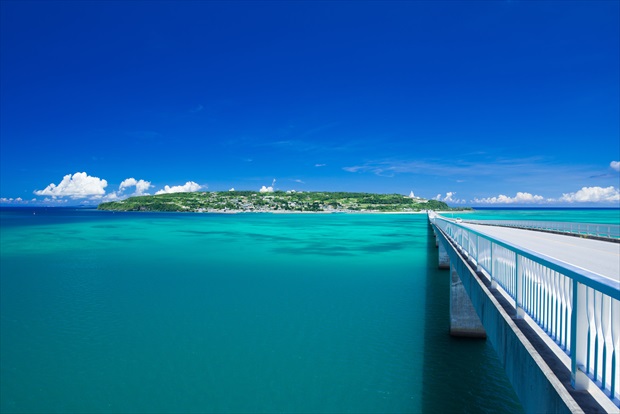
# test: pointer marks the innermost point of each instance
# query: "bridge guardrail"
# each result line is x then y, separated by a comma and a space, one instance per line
578, 309
611, 231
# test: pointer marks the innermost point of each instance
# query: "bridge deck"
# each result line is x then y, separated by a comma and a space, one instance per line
596, 256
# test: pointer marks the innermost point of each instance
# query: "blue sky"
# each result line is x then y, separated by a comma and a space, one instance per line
470, 101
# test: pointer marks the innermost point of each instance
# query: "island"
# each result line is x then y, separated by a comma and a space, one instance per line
277, 201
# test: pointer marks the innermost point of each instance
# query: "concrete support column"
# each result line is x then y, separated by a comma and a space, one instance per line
464, 320
444, 259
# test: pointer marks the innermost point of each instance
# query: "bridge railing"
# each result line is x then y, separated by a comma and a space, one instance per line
610, 231
578, 309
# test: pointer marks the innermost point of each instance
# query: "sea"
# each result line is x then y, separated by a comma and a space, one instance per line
105, 312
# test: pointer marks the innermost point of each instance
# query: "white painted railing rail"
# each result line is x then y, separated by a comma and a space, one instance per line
610, 231
578, 309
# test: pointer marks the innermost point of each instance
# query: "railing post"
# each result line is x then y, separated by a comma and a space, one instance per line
519, 287
493, 281
477, 252
578, 337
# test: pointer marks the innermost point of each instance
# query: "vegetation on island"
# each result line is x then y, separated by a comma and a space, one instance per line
280, 201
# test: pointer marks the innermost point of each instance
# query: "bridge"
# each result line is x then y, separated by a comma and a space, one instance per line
548, 302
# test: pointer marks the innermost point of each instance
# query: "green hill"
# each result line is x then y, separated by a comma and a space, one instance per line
248, 201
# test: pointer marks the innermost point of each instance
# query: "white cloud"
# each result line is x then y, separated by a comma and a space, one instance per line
232, 189
448, 198
592, 194
188, 187
141, 186
615, 165
269, 189
320, 165
113, 196
10, 200
78, 185
54, 200
128, 182
519, 198
585, 195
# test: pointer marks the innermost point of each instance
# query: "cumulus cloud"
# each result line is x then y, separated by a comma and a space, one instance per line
12, 200
128, 182
188, 187
140, 185
615, 165
585, 195
269, 189
140, 189
592, 194
519, 198
48, 200
113, 196
448, 198
78, 185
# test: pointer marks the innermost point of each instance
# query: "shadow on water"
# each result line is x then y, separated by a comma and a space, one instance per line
460, 375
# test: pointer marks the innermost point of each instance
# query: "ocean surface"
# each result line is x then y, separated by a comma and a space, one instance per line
576, 215
148, 312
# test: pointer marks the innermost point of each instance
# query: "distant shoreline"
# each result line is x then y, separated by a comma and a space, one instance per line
280, 212
277, 202
337, 212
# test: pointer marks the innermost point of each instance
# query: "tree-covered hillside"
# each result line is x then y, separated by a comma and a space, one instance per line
231, 201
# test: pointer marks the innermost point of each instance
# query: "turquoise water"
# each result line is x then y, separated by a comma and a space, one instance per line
583, 215
104, 312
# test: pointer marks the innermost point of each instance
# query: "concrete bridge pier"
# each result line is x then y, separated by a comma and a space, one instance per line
444, 259
464, 320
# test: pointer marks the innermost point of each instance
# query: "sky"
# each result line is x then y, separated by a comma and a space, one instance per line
478, 103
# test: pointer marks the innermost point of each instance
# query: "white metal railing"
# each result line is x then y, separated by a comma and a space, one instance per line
578, 309
610, 231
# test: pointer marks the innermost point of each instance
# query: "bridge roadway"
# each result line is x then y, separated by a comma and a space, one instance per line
544, 376
596, 256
